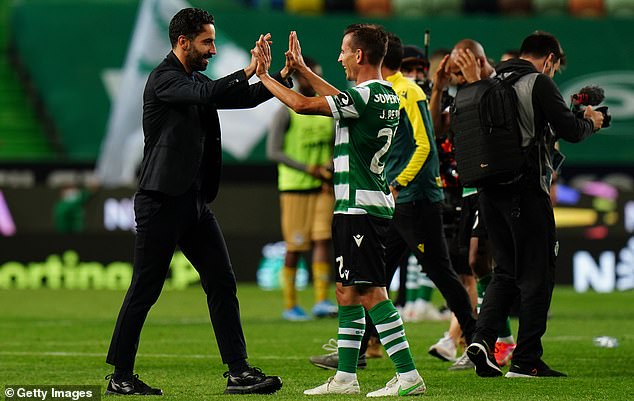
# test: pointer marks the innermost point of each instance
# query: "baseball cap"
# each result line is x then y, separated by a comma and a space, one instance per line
414, 55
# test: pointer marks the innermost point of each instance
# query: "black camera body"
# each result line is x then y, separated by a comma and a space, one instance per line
590, 96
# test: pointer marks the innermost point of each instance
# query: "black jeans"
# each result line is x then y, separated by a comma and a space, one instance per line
522, 232
417, 227
163, 222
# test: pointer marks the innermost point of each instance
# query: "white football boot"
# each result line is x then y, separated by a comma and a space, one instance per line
334, 387
400, 387
444, 349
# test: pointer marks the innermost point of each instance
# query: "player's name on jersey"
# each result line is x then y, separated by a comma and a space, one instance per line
389, 114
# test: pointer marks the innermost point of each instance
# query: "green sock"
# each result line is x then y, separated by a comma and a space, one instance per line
483, 283
506, 331
392, 334
351, 329
411, 285
426, 287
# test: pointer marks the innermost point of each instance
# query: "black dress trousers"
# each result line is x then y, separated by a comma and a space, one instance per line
164, 222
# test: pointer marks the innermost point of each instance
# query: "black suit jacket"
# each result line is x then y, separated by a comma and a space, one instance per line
182, 129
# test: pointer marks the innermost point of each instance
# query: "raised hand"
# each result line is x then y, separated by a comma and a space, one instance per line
441, 75
595, 116
294, 59
287, 69
469, 65
262, 53
251, 68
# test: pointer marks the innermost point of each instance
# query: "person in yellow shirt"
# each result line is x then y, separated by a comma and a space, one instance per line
302, 146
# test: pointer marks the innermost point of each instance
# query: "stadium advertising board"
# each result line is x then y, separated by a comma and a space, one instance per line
595, 228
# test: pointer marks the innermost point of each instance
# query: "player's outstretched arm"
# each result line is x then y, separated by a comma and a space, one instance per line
296, 101
295, 60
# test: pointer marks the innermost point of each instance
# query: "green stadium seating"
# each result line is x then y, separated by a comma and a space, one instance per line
413, 8
620, 7
447, 7
21, 135
550, 6
623, 8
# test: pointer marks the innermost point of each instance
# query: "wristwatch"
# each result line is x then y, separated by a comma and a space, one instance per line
396, 185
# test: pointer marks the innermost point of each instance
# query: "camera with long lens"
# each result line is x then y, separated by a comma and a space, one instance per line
590, 96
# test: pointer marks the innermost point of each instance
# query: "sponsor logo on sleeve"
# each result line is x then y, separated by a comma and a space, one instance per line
344, 99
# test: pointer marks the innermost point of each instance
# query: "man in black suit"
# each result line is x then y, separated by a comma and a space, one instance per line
179, 176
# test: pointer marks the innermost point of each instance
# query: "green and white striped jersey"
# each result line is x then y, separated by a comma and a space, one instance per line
367, 116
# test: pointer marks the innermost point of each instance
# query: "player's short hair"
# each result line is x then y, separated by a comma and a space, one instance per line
394, 54
370, 38
540, 44
188, 22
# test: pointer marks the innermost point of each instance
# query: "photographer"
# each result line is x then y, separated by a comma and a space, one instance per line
415, 66
519, 215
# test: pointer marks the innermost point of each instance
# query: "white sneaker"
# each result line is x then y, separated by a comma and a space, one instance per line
463, 363
444, 349
334, 387
399, 387
424, 310
429, 312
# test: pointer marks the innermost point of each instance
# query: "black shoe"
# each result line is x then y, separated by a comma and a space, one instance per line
252, 381
130, 386
331, 361
538, 370
483, 359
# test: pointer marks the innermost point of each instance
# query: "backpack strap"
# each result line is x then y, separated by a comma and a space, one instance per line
512, 77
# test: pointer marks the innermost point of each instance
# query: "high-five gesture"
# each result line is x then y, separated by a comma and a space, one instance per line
262, 53
294, 57
250, 69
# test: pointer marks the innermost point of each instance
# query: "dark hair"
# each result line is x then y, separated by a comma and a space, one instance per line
394, 54
370, 38
540, 44
513, 53
188, 22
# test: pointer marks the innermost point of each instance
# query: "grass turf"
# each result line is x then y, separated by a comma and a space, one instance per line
61, 337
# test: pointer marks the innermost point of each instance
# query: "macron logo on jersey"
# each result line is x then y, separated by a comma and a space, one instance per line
358, 238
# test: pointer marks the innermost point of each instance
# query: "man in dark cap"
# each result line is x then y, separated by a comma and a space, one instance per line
415, 65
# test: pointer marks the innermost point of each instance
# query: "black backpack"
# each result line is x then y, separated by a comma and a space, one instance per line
487, 136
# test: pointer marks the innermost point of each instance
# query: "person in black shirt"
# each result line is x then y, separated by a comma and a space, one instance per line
179, 176
519, 216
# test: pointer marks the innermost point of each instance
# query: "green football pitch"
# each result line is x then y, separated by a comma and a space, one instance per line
61, 337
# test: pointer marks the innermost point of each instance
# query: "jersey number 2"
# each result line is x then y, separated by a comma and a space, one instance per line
376, 166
